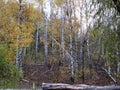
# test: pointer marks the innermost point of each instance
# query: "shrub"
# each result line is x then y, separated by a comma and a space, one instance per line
9, 73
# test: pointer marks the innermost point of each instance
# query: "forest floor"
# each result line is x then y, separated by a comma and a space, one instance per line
39, 74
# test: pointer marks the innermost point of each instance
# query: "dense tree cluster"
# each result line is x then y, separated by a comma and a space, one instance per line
79, 34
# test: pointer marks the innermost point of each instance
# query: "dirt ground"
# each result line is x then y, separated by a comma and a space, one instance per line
37, 74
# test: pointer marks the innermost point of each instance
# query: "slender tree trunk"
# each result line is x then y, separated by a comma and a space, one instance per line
118, 68
102, 49
20, 58
46, 43
25, 51
36, 41
51, 17
81, 54
103, 60
83, 76
118, 65
72, 61
76, 33
87, 26
17, 54
69, 11
37, 36
45, 23
76, 45
62, 32
19, 48
81, 36
108, 64
88, 50
99, 48
109, 68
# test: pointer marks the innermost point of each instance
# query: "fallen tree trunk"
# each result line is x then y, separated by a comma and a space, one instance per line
62, 86
99, 67
115, 82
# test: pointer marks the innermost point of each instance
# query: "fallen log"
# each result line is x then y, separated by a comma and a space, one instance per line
62, 86
113, 79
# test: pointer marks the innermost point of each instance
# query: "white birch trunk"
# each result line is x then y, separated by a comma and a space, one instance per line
45, 24
36, 41
81, 35
88, 50
45, 41
118, 68
20, 58
87, 26
81, 54
71, 61
17, 54
76, 33
62, 32
109, 68
108, 64
102, 49
19, 48
118, 62
25, 50
51, 17
99, 44
69, 11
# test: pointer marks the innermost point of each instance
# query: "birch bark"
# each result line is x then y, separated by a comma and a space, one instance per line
45, 24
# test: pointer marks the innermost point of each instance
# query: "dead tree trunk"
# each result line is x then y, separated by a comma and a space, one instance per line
63, 86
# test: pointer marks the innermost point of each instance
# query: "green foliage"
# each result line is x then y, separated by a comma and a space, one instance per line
9, 73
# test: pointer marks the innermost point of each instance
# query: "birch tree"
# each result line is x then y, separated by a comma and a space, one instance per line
45, 25
51, 19
69, 13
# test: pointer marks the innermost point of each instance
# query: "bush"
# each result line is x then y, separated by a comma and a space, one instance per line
9, 73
